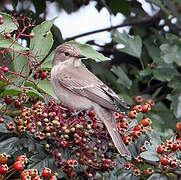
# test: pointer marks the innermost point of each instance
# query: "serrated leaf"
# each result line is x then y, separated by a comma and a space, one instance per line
164, 73
42, 42
46, 87
5, 43
122, 77
157, 176
8, 25
20, 63
176, 103
150, 155
9, 146
3, 128
41, 160
132, 46
89, 52
171, 53
175, 83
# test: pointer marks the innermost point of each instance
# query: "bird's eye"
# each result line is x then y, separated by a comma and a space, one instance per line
66, 53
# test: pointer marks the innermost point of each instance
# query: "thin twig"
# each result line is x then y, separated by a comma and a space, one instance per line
136, 21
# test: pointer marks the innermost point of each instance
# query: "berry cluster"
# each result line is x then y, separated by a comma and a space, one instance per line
168, 150
7, 172
82, 134
123, 122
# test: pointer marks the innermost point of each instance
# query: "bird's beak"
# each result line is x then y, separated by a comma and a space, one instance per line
80, 56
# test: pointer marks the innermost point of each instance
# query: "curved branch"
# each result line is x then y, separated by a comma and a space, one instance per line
135, 21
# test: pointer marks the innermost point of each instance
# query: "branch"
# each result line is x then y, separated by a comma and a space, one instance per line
135, 21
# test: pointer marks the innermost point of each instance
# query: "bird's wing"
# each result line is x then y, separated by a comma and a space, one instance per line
84, 83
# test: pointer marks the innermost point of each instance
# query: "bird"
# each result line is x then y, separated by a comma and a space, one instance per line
77, 87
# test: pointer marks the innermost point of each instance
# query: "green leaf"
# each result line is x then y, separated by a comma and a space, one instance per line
175, 83
119, 6
122, 77
89, 52
13, 92
46, 87
42, 42
47, 64
8, 25
41, 160
132, 46
5, 43
164, 73
171, 53
20, 63
9, 146
3, 128
176, 103
150, 155
157, 176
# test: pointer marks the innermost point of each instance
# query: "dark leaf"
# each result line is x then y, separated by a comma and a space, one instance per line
132, 45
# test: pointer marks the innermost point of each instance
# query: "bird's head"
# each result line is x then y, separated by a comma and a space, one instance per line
65, 52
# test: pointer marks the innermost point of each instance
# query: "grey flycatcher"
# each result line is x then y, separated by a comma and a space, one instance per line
80, 89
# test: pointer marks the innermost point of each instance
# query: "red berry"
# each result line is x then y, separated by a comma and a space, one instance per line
138, 108
43, 74
32, 34
8, 100
54, 109
138, 99
89, 175
164, 160
53, 178
128, 165
161, 149
1, 17
145, 108
151, 102
137, 134
8, 36
1, 21
64, 143
127, 140
91, 113
18, 165
124, 125
149, 171
5, 69
46, 172
132, 114
138, 127
1, 119
178, 126
35, 106
3, 158
22, 158
176, 145
146, 122
173, 163
17, 104
3, 169
71, 163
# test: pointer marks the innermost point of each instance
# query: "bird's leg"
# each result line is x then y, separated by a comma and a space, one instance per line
76, 113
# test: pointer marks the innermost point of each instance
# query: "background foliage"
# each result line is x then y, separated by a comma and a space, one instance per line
147, 65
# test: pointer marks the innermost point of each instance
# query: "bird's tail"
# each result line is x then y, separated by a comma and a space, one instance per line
110, 122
